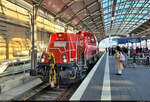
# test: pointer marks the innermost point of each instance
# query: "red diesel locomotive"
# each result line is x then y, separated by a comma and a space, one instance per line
67, 57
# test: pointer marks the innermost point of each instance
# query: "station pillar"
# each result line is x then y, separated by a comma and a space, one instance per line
132, 44
140, 44
34, 37
7, 47
146, 43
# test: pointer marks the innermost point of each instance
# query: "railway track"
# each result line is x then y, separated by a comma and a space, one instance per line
43, 92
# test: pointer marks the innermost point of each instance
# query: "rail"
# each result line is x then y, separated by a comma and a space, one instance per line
31, 92
50, 94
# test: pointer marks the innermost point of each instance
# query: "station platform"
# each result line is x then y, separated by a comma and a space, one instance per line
102, 83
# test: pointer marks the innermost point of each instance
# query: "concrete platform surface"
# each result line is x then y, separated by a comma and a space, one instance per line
132, 85
21, 88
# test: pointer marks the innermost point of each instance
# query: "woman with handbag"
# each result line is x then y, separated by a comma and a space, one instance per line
119, 62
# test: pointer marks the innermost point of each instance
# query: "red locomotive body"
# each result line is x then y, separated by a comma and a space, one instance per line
63, 46
71, 54
91, 47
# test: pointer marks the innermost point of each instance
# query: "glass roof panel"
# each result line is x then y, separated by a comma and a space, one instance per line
128, 14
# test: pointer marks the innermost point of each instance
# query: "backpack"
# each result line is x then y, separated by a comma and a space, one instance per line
122, 58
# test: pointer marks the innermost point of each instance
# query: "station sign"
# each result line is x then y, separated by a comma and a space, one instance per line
123, 41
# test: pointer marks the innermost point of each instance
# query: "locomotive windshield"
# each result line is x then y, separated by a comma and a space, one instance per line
59, 43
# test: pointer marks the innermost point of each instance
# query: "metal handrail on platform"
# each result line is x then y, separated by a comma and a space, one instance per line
13, 62
14, 66
139, 61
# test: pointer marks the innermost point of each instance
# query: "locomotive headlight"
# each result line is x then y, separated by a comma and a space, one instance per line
64, 58
42, 60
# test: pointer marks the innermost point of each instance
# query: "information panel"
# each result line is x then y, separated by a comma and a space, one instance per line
123, 41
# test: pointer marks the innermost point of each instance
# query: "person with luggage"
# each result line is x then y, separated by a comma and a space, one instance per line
119, 60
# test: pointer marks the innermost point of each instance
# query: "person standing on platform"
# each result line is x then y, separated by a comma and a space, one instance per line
134, 58
109, 49
131, 52
147, 56
112, 51
119, 65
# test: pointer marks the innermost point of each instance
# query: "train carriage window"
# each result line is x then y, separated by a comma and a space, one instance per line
87, 36
92, 39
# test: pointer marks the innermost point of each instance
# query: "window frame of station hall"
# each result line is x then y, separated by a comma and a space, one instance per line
15, 32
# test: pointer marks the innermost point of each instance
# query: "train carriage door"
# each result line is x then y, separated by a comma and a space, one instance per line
72, 47
77, 47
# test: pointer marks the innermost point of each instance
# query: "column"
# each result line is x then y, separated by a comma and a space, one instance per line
7, 48
34, 39
140, 44
146, 43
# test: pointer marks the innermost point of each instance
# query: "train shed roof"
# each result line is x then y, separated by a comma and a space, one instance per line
81, 14
101, 17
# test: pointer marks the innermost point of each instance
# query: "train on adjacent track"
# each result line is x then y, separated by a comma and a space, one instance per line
68, 57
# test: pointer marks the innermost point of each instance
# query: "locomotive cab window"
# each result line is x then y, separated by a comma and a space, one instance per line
59, 43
